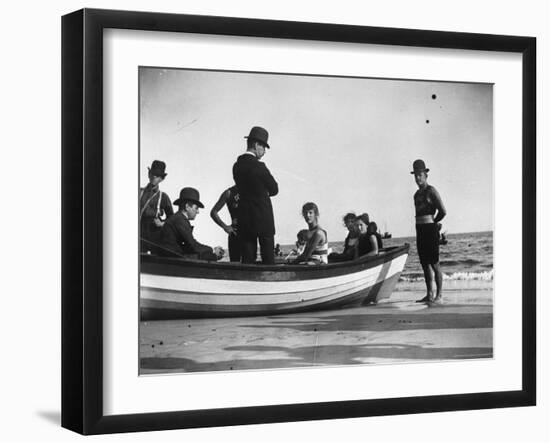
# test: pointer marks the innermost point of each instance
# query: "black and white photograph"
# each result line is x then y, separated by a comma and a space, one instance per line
278, 221
297, 221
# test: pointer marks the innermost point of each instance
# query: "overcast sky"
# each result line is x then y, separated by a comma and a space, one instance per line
346, 144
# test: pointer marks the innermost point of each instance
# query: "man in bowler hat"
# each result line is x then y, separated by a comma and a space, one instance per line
256, 186
176, 237
429, 212
154, 207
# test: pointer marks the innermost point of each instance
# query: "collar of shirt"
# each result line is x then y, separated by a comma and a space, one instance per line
151, 188
250, 153
186, 218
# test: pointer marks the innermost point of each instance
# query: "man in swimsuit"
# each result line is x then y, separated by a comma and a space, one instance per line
429, 212
229, 197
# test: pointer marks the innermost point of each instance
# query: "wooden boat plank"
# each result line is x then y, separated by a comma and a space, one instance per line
176, 292
153, 311
245, 288
256, 272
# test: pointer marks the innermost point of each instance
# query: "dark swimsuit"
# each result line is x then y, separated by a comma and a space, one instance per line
427, 234
364, 245
427, 243
233, 243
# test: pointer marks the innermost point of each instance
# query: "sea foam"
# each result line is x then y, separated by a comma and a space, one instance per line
485, 276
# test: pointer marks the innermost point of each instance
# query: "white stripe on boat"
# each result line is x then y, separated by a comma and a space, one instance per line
201, 291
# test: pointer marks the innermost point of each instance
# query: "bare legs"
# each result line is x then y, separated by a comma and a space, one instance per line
438, 281
432, 274
428, 278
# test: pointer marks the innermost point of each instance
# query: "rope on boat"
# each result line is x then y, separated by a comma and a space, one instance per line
156, 245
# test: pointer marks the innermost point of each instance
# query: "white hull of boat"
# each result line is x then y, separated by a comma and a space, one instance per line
191, 296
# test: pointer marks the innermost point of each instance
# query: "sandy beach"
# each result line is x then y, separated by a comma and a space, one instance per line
399, 330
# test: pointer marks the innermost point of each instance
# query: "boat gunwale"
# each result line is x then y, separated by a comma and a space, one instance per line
176, 262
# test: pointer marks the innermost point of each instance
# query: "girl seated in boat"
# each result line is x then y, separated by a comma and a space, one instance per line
316, 242
370, 241
350, 242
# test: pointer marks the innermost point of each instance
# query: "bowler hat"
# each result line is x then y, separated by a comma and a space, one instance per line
259, 134
157, 169
419, 166
191, 195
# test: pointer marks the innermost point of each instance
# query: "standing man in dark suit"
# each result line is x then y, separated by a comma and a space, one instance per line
255, 185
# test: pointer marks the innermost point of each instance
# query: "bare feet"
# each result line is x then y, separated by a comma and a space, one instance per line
423, 300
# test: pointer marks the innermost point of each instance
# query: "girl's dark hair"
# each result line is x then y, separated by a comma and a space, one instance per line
350, 216
364, 217
310, 206
372, 228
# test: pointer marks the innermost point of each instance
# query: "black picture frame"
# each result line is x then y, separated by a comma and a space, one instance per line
82, 215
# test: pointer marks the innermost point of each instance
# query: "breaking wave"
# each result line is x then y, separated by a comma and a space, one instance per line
485, 276
468, 261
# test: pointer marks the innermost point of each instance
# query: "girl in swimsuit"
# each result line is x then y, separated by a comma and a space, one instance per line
316, 249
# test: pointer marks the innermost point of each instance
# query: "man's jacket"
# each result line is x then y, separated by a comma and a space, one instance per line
255, 185
176, 239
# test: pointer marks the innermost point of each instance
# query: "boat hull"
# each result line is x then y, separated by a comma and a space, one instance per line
174, 288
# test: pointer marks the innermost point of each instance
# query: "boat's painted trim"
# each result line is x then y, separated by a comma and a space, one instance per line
178, 267
153, 309
249, 292
181, 295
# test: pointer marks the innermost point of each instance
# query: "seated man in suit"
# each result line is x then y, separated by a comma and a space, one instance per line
176, 237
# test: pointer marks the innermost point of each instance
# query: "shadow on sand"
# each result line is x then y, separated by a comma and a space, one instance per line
338, 351
331, 355
382, 322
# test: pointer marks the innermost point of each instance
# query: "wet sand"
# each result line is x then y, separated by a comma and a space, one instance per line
399, 330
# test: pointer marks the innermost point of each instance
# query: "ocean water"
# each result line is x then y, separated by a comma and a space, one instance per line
466, 261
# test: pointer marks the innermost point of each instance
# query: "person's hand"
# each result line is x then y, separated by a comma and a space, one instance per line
230, 230
219, 252
439, 226
158, 222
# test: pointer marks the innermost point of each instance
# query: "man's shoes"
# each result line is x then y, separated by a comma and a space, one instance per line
423, 300
437, 301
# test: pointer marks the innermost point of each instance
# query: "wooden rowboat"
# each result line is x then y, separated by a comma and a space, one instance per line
183, 288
